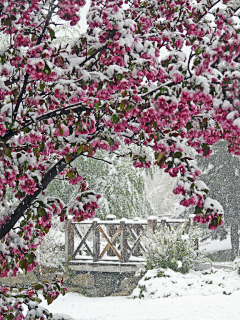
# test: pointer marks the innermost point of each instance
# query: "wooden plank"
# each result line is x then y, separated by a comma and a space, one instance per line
96, 241
69, 239
83, 241
101, 267
152, 224
136, 237
123, 241
110, 244
137, 243
163, 221
110, 232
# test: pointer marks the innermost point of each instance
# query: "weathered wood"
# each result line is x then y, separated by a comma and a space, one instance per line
96, 241
163, 222
137, 243
111, 229
188, 226
101, 266
123, 241
151, 224
129, 248
69, 239
137, 229
109, 243
196, 244
83, 241
135, 250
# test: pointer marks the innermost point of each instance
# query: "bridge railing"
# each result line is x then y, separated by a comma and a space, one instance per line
112, 240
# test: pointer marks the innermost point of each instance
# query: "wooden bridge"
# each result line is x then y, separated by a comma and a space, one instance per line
110, 245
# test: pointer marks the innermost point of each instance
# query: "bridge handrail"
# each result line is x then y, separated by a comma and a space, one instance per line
121, 229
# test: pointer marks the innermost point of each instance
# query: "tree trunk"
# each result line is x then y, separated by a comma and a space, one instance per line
235, 240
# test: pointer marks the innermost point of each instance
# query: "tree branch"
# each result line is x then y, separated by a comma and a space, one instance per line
10, 133
19, 100
97, 158
28, 200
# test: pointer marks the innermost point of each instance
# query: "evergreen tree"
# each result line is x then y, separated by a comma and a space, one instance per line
221, 173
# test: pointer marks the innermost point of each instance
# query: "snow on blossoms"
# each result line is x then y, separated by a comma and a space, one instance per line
84, 206
153, 74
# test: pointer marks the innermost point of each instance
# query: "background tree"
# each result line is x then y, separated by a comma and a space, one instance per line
160, 194
221, 173
122, 187
148, 73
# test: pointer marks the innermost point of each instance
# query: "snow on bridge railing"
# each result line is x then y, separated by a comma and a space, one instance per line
112, 240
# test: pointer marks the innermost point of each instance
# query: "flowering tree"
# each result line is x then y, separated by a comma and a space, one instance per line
158, 73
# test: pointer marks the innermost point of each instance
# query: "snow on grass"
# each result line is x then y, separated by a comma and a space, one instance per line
161, 283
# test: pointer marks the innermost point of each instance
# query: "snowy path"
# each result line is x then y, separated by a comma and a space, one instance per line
195, 307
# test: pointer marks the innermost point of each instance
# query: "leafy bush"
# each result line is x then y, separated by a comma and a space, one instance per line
172, 249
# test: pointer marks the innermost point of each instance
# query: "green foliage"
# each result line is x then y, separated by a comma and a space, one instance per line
172, 249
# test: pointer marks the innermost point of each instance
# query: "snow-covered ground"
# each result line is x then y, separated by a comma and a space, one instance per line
195, 307
216, 245
196, 302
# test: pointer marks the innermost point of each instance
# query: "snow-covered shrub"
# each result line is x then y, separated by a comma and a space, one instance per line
163, 283
50, 253
172, 249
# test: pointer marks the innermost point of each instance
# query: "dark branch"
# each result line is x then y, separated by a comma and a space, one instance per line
63, 111
28, 200
97, 159
19, 100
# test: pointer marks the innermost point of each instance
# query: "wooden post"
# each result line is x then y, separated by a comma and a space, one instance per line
111, 229
137, 229
163, 222
96, 240
69, 240
151, 224
189, 225
123, 241
234, 240
196, 244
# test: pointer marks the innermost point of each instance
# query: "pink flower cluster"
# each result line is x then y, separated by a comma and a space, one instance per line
177, 77
212, 218
193, 201
141, 164
75, 180
180, 190
68, 10
173, 171
84, 206
27, 184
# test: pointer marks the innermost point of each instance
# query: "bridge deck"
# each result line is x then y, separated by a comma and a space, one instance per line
105, 265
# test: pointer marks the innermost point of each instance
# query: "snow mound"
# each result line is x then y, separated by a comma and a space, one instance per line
161, 283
